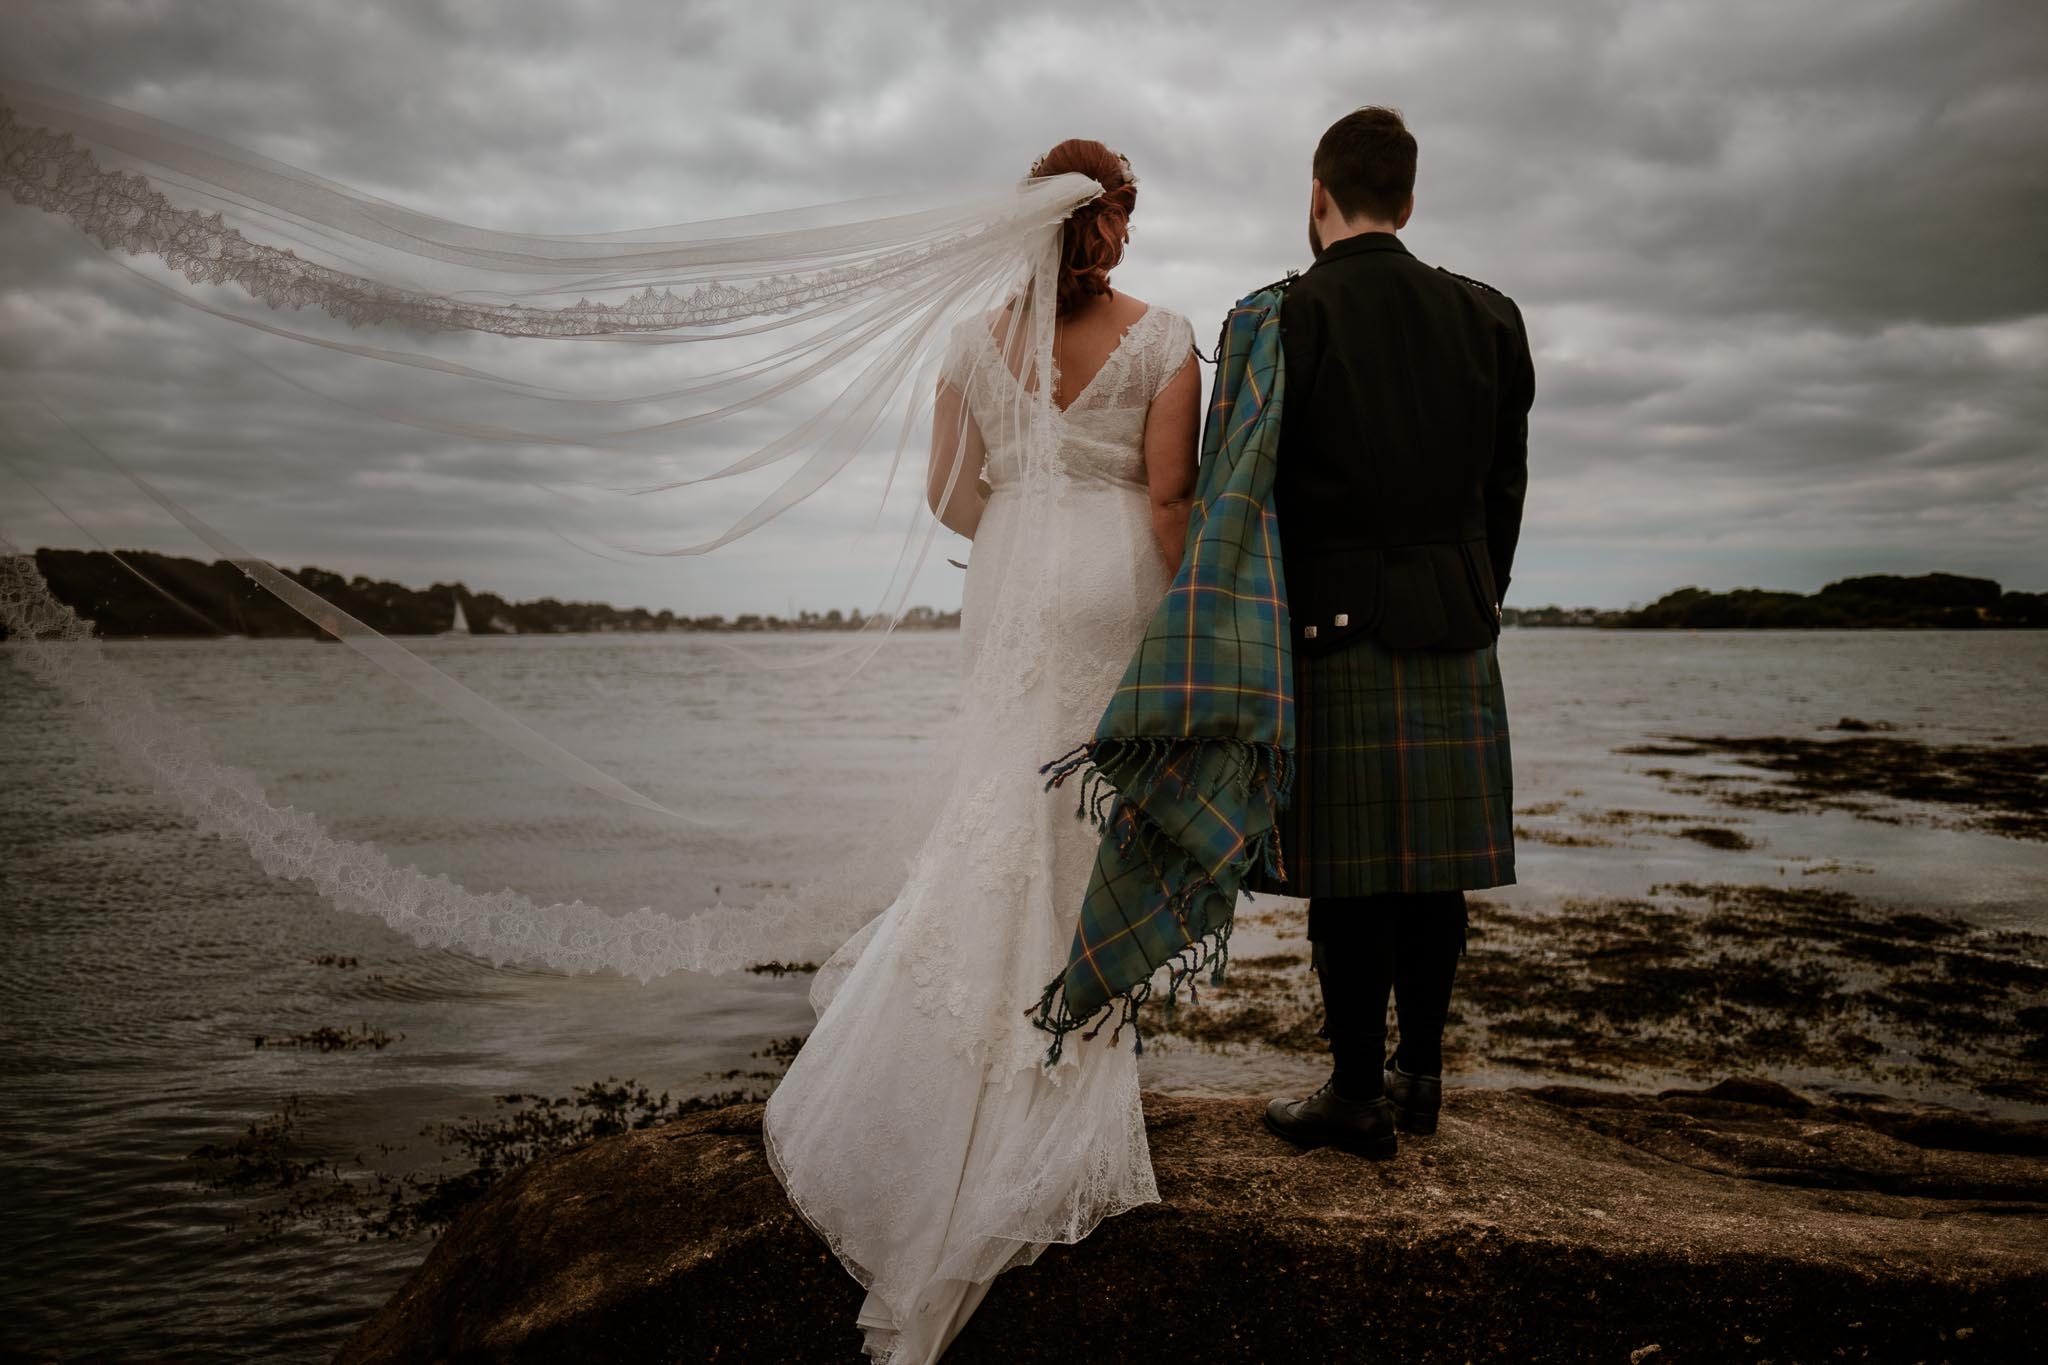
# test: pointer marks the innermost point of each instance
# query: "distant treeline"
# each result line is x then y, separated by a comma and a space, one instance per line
202, 599
1934, 601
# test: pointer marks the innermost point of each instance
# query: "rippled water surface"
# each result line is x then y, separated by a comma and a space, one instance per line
143, 959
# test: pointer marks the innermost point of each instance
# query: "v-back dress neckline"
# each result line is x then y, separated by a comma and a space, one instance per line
1123, 339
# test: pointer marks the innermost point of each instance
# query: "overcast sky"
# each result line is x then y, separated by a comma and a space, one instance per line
1782, 263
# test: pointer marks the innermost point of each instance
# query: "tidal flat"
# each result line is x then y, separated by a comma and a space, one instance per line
1804, 985
2000, 788
1797, 980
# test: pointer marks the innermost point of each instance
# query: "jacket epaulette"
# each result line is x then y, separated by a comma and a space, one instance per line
1476, 284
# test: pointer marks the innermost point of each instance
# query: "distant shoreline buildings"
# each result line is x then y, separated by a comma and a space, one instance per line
156, 595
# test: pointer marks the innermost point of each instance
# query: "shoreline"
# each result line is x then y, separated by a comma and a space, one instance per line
1600, 826
951, 627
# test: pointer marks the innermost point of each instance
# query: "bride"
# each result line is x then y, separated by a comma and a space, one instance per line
921, 1129
917, 1129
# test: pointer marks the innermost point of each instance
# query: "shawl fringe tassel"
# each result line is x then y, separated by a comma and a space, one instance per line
1256, 770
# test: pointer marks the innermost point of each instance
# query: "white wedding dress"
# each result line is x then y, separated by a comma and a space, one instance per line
917, 1129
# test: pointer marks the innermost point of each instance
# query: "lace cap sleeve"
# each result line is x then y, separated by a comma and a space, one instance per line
962, 348
1176, 348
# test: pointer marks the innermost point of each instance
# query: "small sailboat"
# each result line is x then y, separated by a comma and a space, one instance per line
460, 626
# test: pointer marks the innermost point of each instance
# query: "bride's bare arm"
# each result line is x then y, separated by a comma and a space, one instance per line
956, 441
1173, 428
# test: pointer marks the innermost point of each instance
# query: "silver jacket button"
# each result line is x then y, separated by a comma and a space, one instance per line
1341, 621
1308, 632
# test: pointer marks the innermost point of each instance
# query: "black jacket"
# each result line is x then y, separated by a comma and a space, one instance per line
1403, 449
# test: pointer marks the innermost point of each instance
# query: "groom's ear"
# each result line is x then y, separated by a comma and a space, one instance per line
1317, 198
1406, 209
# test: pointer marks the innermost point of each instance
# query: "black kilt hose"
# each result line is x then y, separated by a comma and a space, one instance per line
1403, 780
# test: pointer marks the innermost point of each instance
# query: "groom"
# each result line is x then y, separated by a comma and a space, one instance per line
1401, 468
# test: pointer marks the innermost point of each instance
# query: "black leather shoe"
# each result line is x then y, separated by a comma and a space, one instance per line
1325, 1118
1416, 1099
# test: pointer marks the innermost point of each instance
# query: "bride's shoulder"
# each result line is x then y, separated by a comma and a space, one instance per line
1175, 321
1156, 315
1173, 333
967, 342
980, 331
1158, 344
964, 332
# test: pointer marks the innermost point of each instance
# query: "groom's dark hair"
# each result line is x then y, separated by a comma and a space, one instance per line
1367, 163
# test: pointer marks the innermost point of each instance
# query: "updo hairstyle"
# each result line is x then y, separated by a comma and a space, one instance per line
1095, 233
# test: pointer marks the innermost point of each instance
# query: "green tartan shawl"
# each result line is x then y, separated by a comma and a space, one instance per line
1193, 758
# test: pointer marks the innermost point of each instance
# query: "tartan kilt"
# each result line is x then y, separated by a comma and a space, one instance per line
1403, 780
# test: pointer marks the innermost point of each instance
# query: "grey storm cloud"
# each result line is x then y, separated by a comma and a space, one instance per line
1781, 263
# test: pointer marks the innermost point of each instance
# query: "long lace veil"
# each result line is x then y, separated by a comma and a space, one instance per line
790, 350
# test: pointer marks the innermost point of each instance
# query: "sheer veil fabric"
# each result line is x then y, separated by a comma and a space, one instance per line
807, 346
917, 1129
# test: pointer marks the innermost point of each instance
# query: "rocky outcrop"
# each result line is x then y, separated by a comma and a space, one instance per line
1741, 1223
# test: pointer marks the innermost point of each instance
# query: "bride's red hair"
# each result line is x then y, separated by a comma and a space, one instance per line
1095, 233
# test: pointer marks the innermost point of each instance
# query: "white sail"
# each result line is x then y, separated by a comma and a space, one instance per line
461, 623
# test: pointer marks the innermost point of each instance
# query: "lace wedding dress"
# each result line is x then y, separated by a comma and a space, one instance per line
917, 1129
